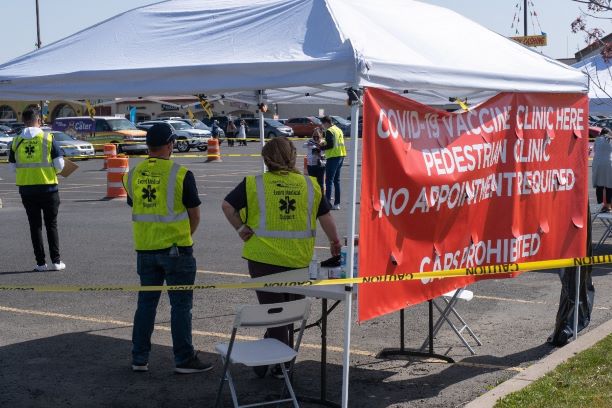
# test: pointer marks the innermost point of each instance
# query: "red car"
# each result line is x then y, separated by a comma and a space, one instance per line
304, 126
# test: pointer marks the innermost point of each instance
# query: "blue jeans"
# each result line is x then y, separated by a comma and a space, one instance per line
332, 175
153, 269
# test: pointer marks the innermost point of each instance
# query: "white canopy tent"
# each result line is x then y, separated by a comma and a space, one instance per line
600, 80
306, 51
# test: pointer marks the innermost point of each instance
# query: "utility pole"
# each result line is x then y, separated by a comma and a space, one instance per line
524, 18
38, 43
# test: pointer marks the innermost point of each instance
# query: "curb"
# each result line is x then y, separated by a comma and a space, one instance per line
542, 367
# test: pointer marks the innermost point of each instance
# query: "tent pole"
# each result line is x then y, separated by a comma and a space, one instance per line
576, 302
261, 124
348, 301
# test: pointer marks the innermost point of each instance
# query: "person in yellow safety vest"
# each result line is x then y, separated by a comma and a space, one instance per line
36, 158
336, 152
165, 214
275, 215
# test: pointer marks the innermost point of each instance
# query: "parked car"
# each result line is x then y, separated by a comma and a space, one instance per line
5, 140
104, 129
340, 122
272, 128
6, 129
607, 122
222, 120
186, 136
303, 126
72, 147
198, 124
16, 127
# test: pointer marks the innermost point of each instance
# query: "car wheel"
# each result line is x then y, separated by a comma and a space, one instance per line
182, 145
271, 135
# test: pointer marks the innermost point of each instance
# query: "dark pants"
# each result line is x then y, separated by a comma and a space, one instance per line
257, 269
154, 269
332, 177
48, 205
230, 138
599, 193
319, 173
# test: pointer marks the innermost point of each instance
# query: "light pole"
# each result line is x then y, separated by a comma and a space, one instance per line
38, 43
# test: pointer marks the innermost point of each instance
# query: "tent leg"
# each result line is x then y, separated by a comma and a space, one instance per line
260, 95
576, 302
348, 301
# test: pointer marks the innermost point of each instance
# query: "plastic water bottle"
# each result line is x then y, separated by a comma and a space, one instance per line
343, 259
313, 268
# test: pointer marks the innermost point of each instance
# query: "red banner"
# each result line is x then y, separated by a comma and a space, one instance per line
504, 182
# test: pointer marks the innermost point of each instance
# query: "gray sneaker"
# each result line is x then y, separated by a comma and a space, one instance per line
193, 365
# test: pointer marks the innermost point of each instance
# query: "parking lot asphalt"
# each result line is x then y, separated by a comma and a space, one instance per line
73, 349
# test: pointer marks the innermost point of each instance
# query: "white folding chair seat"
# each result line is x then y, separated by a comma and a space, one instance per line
263, 352
450, 299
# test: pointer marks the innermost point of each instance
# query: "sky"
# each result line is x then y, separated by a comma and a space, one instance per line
60, 18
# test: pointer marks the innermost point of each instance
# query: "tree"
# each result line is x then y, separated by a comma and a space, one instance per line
599, 10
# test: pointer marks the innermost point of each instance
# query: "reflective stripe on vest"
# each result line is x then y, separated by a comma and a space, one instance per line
170, 194
262, 231
339, 150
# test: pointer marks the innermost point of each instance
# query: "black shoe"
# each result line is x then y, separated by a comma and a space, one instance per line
277, 371
193, 365
261, 371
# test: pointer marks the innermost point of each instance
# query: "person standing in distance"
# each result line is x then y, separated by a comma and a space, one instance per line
165, 214
335, 152
278, 223
36, 160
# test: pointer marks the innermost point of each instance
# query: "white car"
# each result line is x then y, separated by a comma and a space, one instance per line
186, 136
5, 140
72, 147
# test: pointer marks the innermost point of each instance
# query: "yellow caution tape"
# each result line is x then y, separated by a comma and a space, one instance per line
486, 270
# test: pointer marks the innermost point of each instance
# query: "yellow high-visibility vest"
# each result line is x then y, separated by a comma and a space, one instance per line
160, 218
339, 150
282, 211
33, 162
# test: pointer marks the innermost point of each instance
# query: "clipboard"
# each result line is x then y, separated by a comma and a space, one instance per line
69, 168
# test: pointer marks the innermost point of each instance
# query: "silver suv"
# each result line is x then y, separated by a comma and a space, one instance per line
186, 136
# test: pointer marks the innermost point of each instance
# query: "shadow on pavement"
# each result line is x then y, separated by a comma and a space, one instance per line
86, 369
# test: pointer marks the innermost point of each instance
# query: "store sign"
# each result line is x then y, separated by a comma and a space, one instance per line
532, 40
504, 182
166, 108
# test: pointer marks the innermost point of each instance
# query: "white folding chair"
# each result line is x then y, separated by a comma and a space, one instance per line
606, 220
450, 299
264, 351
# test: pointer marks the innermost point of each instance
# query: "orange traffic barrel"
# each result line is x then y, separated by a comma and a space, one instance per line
110, 150
117, 167
214, 151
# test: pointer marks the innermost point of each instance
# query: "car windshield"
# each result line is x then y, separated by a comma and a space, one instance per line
121, 124
198, 124
62, 137
316, 121
274, 123
178, 125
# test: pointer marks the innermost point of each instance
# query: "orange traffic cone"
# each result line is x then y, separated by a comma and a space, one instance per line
214, 151
117, 167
